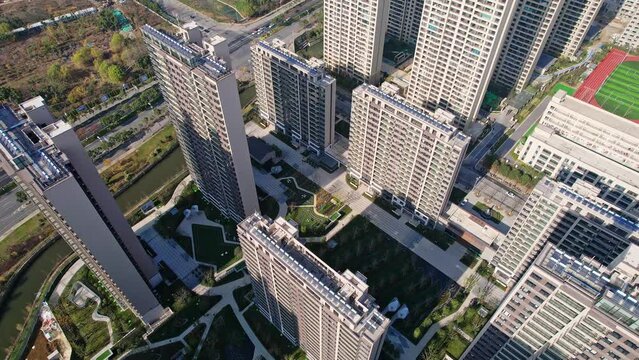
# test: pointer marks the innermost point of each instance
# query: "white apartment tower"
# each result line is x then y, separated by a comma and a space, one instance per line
295, 95
571, 27
205, 110
529, 30
566, 307
456, 52
329, 315
578, 141
573, 219
630, 35
48, 162
354, 37
403, 154
404, 18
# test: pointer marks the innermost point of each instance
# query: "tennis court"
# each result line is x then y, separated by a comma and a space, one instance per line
620, 92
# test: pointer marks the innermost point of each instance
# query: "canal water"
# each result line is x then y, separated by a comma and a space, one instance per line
27, 286
152, 181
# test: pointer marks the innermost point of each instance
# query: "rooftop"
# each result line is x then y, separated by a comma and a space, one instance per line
26, 146
313, 67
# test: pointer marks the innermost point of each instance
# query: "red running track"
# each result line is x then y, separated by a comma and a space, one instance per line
593, 82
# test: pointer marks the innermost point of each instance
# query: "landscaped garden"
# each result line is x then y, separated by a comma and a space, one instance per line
274, 342
211, 248
226, 339
166, 352
118, 175
186, 306
488, 212
391, 269
449, 340
312, 207
86, 335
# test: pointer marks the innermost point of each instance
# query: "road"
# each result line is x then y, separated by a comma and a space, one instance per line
239, 35
534, 116
11, 211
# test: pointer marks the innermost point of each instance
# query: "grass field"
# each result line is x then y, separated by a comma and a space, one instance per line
226, 339
620, 93
561, 86
211, 248
22, 240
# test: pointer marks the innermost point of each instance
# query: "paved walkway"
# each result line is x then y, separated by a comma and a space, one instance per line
64, 281
273, 188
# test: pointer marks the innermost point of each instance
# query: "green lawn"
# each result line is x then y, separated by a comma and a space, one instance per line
216, 9
561, 86
23, 239
392, 270
187, 308
105, 355
316, 50
620, 93
494, 215
166, 352
276, 344
247, 95
226, 339
243, 296
211, 248
310, 224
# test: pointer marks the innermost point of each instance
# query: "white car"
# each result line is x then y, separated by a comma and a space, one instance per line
510, 194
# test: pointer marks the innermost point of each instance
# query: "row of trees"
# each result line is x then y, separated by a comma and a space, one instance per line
519, 174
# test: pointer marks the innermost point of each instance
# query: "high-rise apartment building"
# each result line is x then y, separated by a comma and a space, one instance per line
354, 37
456, 52
529, 30
627, 8
329, 315
204, 107
48, 162
578, 141
566, 307
572, 218
571, 27
630, 35
404, 18
403, 154
295, 95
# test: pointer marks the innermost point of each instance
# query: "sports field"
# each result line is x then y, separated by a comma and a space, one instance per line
620, 92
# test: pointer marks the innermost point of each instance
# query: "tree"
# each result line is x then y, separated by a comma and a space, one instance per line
21, 196
115, 74
182, 298
103, 69
144, 62
504, 169
471, 281
485, 291
117, 42
10, 94
77, 93
526, 180
208, 278
82, 57
57, 72
107, 20
5, 31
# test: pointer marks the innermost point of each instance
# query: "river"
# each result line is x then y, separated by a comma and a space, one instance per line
152, 181
13, 312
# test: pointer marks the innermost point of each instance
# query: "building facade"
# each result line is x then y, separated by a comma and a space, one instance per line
571, 27
578, 141
573, 219
404, 18
205, 110
328, 314
566, 307
401, 153
630, 35
295, 95
529, 30
456, 53
50, 165
354, 37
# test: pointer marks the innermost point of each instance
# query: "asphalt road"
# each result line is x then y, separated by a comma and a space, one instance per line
534, 116
11, 211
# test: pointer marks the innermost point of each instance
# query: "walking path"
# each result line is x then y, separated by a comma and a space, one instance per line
64, 281
273, 188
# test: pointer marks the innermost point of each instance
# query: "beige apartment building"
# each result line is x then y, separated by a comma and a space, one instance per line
403, 154
571, 27
48, 162
566, 307
404, 18
329, 315
295, 95
456, 52
572, 218
204, 107
527, 35
354, 38
630, 35
578, 141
